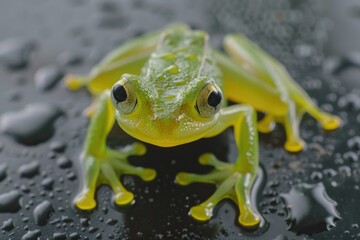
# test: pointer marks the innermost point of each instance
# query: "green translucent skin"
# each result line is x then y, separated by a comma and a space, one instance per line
169, 76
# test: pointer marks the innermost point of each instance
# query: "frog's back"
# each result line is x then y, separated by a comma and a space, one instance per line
179, 63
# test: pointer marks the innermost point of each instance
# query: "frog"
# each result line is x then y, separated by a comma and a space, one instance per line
169, 87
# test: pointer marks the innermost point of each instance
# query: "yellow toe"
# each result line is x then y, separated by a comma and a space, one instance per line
123, 198
294, 145
249, 219
331, 123
85, 202
200, 213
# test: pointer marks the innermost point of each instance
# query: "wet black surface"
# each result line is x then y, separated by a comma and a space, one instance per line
317, 40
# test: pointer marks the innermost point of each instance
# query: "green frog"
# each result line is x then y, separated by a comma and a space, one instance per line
170, 87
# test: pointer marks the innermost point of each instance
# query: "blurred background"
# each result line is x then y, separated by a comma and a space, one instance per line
310, 195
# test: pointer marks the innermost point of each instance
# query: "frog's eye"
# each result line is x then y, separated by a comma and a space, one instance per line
123, 96
209, 100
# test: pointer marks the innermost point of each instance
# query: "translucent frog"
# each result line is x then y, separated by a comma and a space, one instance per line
170, 87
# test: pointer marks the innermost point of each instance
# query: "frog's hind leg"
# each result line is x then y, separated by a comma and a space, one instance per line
270, 71
104, 165
303, 101
128, 58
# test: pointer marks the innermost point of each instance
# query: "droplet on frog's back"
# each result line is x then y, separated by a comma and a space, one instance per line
310, 209
31, 125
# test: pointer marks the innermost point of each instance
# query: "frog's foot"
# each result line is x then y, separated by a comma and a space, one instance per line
267, 124
329, 122
74, 82
107, 170
231, 183
294, 145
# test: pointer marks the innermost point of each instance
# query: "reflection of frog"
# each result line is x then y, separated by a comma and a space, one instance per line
180, 96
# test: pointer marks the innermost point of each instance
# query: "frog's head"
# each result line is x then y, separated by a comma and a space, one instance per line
166, 116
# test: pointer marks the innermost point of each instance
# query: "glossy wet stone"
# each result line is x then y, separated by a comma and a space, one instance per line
31, 125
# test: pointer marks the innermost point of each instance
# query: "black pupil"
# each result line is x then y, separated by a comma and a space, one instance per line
214, 98
119, 93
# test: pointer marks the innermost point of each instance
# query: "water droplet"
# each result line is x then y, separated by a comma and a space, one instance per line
59, 236
48, 183
345, 171
316, 176
354, 143
15, 53
31, 125
47, 77
70, 59
74, 236
172, 69
310, 209
350, 101
8, 225
42, 212
351, 157
3, 167
58, 146
29, 170
31, 235
10, 202
64, 162
111, 221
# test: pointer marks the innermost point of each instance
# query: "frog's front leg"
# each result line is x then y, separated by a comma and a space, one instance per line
104, 165
233, 180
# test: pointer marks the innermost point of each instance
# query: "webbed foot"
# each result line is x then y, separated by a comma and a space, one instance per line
108, 169
231, 183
